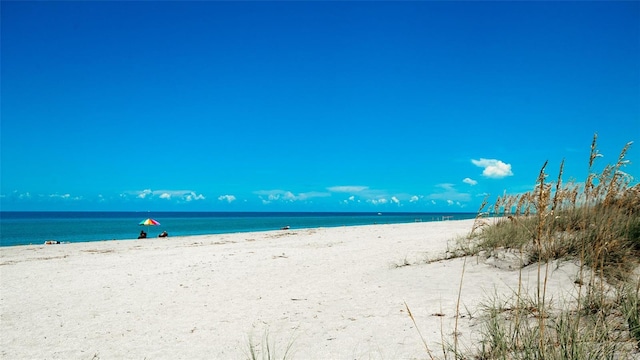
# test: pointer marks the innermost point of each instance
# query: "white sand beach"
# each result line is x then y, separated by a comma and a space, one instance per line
333, 293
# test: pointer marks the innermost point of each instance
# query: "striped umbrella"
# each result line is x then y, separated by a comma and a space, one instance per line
149, 222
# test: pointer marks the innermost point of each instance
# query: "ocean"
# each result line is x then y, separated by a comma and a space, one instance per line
26, 227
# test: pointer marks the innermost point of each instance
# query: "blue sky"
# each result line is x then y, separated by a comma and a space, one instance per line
308, 106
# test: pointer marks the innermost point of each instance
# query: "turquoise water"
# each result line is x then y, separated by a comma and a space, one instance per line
22, 228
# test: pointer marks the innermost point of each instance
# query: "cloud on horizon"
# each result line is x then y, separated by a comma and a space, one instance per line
365, 193
268, 196
347, 189
358, 193
40, 198
346, 195
351, 199
448, 193
493, 168
380, 201
470, 181
181, 195
58, 196
227, 198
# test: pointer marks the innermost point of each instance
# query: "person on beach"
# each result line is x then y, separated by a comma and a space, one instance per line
163, 234
142, 235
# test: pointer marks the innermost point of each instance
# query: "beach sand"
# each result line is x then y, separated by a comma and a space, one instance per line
332, 293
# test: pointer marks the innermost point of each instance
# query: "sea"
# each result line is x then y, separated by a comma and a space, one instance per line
28, 227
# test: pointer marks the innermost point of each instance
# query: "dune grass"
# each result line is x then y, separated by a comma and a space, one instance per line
266, 349
597, 224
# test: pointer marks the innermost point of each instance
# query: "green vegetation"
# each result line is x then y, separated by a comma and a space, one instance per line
597, 224
266, 349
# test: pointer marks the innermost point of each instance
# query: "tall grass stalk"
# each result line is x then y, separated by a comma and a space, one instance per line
266, 349
424, 342
543, 194
631, 310
477, 224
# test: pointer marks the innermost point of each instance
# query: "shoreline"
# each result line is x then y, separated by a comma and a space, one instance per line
35, 228
333, 292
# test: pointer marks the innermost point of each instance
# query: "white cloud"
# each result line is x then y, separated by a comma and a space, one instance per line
62, 196
268, 196
180, 195
470, 181
449, 202
379, 201
493, 168
372, 196
227, 198
350, 199
446, 186
449, 192
268, 192
58, 196
289, 196
312, 194
144, 193
347, 189
193, 196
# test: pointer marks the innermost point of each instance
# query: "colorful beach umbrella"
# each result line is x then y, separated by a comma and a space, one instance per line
149, 222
